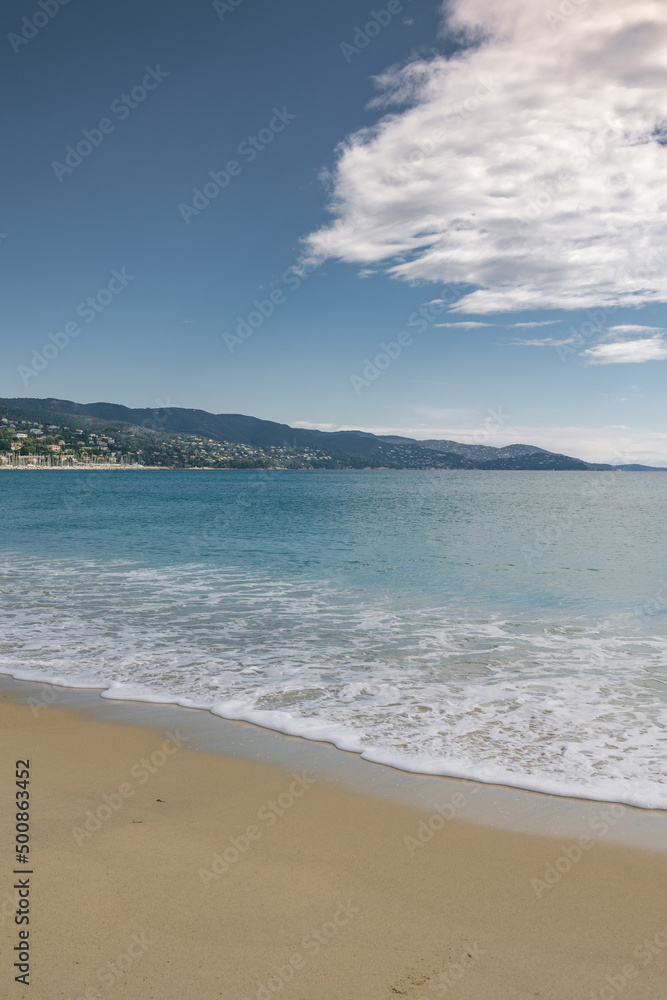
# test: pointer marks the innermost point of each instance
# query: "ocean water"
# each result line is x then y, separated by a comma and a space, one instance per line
503, 626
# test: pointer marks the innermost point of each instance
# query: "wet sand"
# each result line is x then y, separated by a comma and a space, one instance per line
160, 871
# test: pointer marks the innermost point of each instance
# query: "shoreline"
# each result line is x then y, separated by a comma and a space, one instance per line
112, 467
160, 872
497, 806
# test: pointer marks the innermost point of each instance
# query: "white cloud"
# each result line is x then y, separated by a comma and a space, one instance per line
615, 445
545, 342
621, 344
310, 425
466, 325
622, 332
622, 352
528, 165
534, 323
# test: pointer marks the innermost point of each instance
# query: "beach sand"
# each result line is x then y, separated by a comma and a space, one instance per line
164, 873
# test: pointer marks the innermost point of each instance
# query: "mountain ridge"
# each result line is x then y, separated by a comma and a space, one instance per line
358, 446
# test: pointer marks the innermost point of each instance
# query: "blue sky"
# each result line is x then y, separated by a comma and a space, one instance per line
498, 171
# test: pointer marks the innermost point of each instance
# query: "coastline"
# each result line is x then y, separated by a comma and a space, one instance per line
499, 806
164, 871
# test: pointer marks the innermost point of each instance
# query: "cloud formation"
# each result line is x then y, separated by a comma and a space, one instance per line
530, 166
465, 325
534, 323
622, 352
545, 342
618, 345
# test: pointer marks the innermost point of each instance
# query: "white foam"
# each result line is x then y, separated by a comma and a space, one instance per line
564, 706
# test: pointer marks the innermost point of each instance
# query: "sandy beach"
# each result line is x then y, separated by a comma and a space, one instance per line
163, 872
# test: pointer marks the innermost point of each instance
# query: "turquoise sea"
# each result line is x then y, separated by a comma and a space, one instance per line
503, 626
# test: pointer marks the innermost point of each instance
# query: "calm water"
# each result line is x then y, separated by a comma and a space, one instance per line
509, 627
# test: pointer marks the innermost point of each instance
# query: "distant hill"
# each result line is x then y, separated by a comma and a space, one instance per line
640, 468
484, 451
348, 448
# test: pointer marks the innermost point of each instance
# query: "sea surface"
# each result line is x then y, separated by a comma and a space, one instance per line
504, 626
